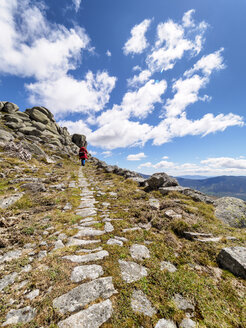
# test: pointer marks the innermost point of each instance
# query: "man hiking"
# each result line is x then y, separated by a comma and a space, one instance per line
83, 155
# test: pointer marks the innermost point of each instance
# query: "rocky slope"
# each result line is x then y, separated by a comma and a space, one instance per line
100, 247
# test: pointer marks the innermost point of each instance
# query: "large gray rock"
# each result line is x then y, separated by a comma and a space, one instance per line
93, 317
234, 260
82, 295
10, 107
231, 211
5, 136
23, 315
132, 271
30, 131
182, 303
34, 187
87, 258
140, 304
159, 180
187, 323
37, 115
79, 140
11, 255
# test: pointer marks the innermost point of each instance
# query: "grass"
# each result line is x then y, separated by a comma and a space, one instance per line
218, 296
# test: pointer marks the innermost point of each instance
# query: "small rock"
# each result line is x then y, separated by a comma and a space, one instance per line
113, 241
23, 315
140, 304
108, 227
67, 207
139, 252
33, 294
121, 238
8, 280
187, 323
83, 232
182, 303
172, 215
163, 323
8, 201
168, 266
154, 203
42, 254
79, 242
9, 256
58, 244
86, 272
131, 229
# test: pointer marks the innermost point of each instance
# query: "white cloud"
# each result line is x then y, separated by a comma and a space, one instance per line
207, 64
55, 48
137, 80
64, 95
210, 167
173, 40
225, 162
77, 4
165, 157
75, 127
136, 157
187, 19
108, 53
141, 102
136, 68
137, 43
107, 154
186, 93
92, 152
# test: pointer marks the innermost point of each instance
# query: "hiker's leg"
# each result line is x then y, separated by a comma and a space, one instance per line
83, 162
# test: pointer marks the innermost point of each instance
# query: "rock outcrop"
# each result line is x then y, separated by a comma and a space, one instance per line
231, 211
36, 125
234, 260
79, 140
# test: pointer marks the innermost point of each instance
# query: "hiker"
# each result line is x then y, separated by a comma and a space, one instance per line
83, 155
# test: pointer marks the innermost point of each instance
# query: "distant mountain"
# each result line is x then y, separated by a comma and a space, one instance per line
233, 186
145, 176
193, 177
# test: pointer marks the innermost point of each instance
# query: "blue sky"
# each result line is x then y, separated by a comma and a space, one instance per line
154, 85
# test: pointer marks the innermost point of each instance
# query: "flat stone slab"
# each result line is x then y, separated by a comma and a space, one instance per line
132, 271
165, 265
88, 224
86, 258
32, 294
108, 227
23, 315
140, 304
79, 242
113, 241
86, 212
89, 250
121, 238
86, 231
194, 235
82, 295
86, 272
11, 255
154, 203
8, 280
163, 323
234, 260
139, 252
58, 244
93, 317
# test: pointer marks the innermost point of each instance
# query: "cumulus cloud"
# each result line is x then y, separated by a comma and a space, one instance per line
137, 43
141, 102
138, 80
136, 157
173, 40
225, 162
67, 94
75, 127
77, 4
55, 48
46, 52
207, 64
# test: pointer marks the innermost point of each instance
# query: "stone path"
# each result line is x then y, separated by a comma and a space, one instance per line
89, 304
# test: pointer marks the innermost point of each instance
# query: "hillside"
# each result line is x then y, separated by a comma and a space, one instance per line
88, 247
234, 186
